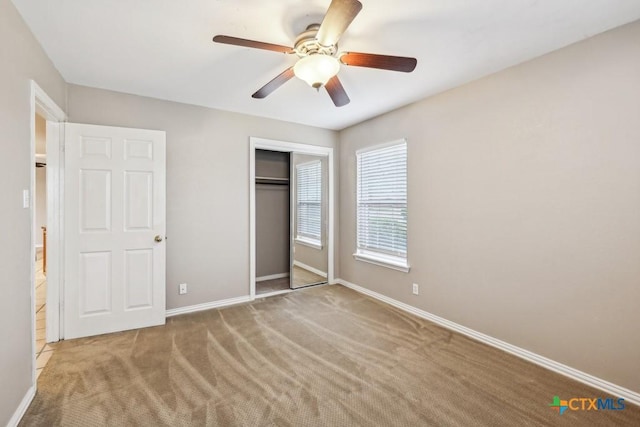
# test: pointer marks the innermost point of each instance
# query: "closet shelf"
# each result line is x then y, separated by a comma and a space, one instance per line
270, 180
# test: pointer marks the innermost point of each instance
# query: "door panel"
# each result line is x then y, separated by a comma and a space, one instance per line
114, 208
138, 187
138, 278
95, 200
94, 283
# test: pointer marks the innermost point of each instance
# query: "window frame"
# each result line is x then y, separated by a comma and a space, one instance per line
380, 258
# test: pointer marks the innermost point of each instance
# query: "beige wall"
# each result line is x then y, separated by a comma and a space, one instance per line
207, 183
21, 59
272, 215
272, 230
316, 258
524, 205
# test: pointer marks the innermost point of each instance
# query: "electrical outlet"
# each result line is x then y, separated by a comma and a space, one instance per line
416, 289
182, 288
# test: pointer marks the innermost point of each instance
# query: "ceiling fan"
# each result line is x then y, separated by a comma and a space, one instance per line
317, 48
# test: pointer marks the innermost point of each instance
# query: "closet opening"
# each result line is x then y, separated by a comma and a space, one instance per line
273, 193
291, 216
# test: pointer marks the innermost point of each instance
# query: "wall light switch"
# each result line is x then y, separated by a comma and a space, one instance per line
26, 199
182, 288
416, 289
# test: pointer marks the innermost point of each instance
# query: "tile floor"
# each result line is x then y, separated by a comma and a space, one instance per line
43, 350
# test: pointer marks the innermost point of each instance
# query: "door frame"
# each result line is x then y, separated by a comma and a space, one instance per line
256, 143
43, 105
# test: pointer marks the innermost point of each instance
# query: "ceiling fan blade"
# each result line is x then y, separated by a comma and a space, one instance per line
383, 62
274, 84
251, 43
337, 92
339, 15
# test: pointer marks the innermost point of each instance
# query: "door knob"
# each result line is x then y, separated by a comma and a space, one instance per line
158, 238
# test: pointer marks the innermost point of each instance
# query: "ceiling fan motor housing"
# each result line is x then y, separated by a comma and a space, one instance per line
307, 43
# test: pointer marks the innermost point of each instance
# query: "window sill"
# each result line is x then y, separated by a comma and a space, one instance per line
393, 263
315, 244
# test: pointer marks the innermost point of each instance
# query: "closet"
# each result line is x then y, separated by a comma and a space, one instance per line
273, 250
291, 213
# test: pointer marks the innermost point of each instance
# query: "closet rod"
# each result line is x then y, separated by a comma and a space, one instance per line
269, 180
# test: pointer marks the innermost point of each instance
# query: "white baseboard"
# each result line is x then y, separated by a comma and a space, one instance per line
575, 374
208, 306
272, 277
311, 269
22, 408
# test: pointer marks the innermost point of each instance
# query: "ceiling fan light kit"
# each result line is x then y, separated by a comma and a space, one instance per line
316, 69
317, 48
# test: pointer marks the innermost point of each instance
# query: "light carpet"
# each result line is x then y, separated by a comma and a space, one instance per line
323, 356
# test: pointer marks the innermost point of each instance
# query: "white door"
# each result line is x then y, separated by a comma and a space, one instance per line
114, 229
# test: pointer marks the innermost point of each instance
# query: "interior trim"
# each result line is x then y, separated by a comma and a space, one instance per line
208, 305
272, 277
22, 407
606, 386
274, 293
382, 261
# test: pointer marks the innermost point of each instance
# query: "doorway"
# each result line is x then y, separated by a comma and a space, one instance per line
44, 207
291, 212
43, 351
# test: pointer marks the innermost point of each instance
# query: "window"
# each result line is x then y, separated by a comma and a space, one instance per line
382, 205
309, 204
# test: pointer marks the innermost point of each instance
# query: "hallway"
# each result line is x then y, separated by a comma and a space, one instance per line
43, 350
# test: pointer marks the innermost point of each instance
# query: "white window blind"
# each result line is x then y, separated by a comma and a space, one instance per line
309, 202
382, 204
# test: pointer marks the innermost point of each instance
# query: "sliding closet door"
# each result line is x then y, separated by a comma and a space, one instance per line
309, 202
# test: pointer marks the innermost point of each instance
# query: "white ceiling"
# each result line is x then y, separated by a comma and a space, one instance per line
163, 48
